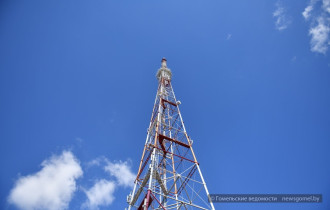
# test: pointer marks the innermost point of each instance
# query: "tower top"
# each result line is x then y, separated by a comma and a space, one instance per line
164, 62
164, 72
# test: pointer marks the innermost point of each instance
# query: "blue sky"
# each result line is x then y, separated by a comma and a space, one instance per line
77, 86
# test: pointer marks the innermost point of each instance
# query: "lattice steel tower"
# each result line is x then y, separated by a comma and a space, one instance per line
169, 176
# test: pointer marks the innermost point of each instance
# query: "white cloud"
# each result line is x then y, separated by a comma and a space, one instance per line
228, 36
53, 187
101, 194
282, 21
320, 36
307, 12
95, 162
326, 5
122, 172
50, 188
319, 26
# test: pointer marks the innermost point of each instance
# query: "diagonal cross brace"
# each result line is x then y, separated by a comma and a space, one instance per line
145, 180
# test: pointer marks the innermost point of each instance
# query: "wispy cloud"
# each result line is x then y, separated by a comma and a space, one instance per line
101, 194
307, 12
320, 35
122, 172
228, 36
50, 188
282, 20
326, 5
319, 18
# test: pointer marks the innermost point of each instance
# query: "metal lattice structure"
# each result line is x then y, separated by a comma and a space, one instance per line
169, 176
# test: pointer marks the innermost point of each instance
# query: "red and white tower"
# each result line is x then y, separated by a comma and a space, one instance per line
169, 175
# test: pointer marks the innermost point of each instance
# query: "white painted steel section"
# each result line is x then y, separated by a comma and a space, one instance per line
199, 170
156, 126
148, 135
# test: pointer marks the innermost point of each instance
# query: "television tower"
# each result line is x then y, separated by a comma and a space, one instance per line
169, 176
